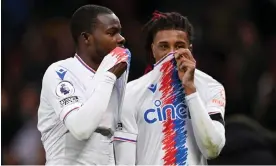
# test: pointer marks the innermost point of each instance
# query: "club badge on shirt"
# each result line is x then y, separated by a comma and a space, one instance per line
65, 89
119, 126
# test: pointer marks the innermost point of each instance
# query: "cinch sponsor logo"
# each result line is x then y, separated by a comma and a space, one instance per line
161, 113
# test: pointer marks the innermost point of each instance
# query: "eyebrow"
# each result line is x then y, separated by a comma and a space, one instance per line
163, 42
181, 42
177, 42
114, 27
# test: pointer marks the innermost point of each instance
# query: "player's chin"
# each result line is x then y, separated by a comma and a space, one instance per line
105, 52
102, 54
110, 49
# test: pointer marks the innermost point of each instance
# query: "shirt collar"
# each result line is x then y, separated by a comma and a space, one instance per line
84, 64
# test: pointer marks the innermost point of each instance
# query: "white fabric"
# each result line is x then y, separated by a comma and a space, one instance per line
83, 123
74, 94
164, 137
209, 134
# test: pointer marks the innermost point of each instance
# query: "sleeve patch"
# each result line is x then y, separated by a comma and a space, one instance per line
61, 73
219, 99
218, 102
68, 101
65, 89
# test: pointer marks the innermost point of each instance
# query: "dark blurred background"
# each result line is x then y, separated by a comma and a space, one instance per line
235, 42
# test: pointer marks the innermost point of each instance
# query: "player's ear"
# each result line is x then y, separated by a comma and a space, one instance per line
191, 47
86, 37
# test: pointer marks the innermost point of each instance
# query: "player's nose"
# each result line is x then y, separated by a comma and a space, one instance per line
121, 41
173, 49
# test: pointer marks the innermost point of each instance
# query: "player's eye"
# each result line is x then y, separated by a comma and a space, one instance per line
180, 46
111, 33
163, 47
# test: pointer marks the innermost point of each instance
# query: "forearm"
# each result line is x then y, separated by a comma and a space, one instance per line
209, 134
83, 120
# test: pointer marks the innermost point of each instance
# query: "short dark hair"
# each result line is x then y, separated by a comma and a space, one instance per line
165, 21
85, 18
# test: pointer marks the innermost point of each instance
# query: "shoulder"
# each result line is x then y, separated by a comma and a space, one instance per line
203, 80
136, 90
58, 70
59, 79
140, 83
208, 87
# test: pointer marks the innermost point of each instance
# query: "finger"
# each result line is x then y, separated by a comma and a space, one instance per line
178, 60
178, 64
184, 59
186, 65
121, 65
186, 53
177, 56
192, 57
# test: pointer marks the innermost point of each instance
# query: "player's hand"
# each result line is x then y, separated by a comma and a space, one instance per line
122, 55
118, 69
186, 65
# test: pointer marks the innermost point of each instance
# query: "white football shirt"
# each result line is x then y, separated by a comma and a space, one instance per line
156, 117
67, 84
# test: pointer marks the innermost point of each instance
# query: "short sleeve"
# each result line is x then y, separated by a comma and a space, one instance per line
127, 128
62, 91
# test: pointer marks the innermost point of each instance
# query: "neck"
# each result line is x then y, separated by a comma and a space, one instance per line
88, 60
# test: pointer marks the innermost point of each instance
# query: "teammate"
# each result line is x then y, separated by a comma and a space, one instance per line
79, 95
174, 114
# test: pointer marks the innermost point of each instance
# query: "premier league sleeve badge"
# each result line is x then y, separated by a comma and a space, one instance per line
64, 89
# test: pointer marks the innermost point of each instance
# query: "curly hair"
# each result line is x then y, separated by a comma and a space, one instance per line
165, 21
